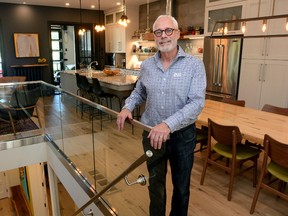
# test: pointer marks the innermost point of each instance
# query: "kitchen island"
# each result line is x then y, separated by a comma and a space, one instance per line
120, 84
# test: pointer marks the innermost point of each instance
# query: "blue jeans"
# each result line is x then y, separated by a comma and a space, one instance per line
179, 150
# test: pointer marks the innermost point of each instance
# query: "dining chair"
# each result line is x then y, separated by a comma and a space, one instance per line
234, 102
275, 109
272, 109
275, 163
21, 106
228, 145
202, 134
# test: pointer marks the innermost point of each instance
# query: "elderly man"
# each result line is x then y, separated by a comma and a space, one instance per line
173, 85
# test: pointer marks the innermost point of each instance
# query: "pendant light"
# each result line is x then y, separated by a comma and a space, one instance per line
99, 27
243, 28
81, 29
124, 19
264, 26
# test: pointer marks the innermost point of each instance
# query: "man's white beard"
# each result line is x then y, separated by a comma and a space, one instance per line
168, 47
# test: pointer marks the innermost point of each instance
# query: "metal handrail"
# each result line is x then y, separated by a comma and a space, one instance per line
133, 166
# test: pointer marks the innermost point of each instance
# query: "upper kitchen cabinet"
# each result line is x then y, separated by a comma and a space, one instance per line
263, 8
274, 48
115, 38
264, 67
222, 10
115, 41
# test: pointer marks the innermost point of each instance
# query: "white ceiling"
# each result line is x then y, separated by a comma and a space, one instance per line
86, 4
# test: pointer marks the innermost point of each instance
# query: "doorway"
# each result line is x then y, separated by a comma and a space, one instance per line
63, 50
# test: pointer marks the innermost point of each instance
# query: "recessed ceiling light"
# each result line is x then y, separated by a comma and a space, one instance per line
118, 3
67, 4
24, 2
92, 6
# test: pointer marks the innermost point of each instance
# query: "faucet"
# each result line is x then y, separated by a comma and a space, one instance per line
89, 67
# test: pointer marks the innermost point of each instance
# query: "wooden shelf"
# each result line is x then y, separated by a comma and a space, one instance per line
143, 53
29, 65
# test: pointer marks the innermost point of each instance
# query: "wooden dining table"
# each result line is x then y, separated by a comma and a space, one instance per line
253, 124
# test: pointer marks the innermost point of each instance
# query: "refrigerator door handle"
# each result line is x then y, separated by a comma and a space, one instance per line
221, 63
216, 65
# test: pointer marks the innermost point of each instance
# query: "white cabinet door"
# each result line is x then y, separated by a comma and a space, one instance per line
263, 82
108, 39
274, 48
115, 38
274, 84
250, 82
274, 26
119, 38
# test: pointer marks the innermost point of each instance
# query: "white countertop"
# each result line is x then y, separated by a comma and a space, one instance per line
119, 82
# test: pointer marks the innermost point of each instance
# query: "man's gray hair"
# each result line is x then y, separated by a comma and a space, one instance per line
175, 23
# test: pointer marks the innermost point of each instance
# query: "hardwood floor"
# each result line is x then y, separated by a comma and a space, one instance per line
115, 151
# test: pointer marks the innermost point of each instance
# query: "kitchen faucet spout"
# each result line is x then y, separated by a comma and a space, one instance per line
89, 67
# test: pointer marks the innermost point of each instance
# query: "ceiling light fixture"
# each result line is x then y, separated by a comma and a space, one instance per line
124, 19
246, 20
81, 29
99, 27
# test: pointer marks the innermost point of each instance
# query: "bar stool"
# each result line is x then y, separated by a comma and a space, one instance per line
84, 89
101, 96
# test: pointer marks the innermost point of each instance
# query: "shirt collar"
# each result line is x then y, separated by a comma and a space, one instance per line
180, 54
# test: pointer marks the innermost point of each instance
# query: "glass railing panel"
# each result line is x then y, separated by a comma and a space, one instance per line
93, 143
86, 132
20, 110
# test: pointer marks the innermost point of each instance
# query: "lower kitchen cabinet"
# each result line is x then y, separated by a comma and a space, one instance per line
263, 82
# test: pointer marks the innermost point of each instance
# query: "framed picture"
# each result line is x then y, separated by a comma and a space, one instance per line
26, 45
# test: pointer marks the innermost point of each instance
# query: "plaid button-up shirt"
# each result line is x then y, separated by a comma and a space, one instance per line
175, 96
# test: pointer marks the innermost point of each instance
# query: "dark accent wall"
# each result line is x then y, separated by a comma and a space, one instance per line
186, 12
16, 18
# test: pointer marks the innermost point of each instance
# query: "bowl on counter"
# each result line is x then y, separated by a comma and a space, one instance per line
111, 72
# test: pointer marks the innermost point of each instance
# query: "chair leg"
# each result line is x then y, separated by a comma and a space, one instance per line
12, 123
255, 172
231, 184
205, 167
256, 195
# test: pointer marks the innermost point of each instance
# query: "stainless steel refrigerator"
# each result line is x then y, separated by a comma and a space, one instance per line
222, 58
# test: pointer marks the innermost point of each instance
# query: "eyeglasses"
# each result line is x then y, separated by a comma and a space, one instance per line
168, 32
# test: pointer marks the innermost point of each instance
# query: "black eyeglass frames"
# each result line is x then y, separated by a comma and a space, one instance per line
168, 32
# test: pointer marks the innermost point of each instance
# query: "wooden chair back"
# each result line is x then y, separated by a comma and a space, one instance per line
276, 151
275, 109
224, 134
234, 102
